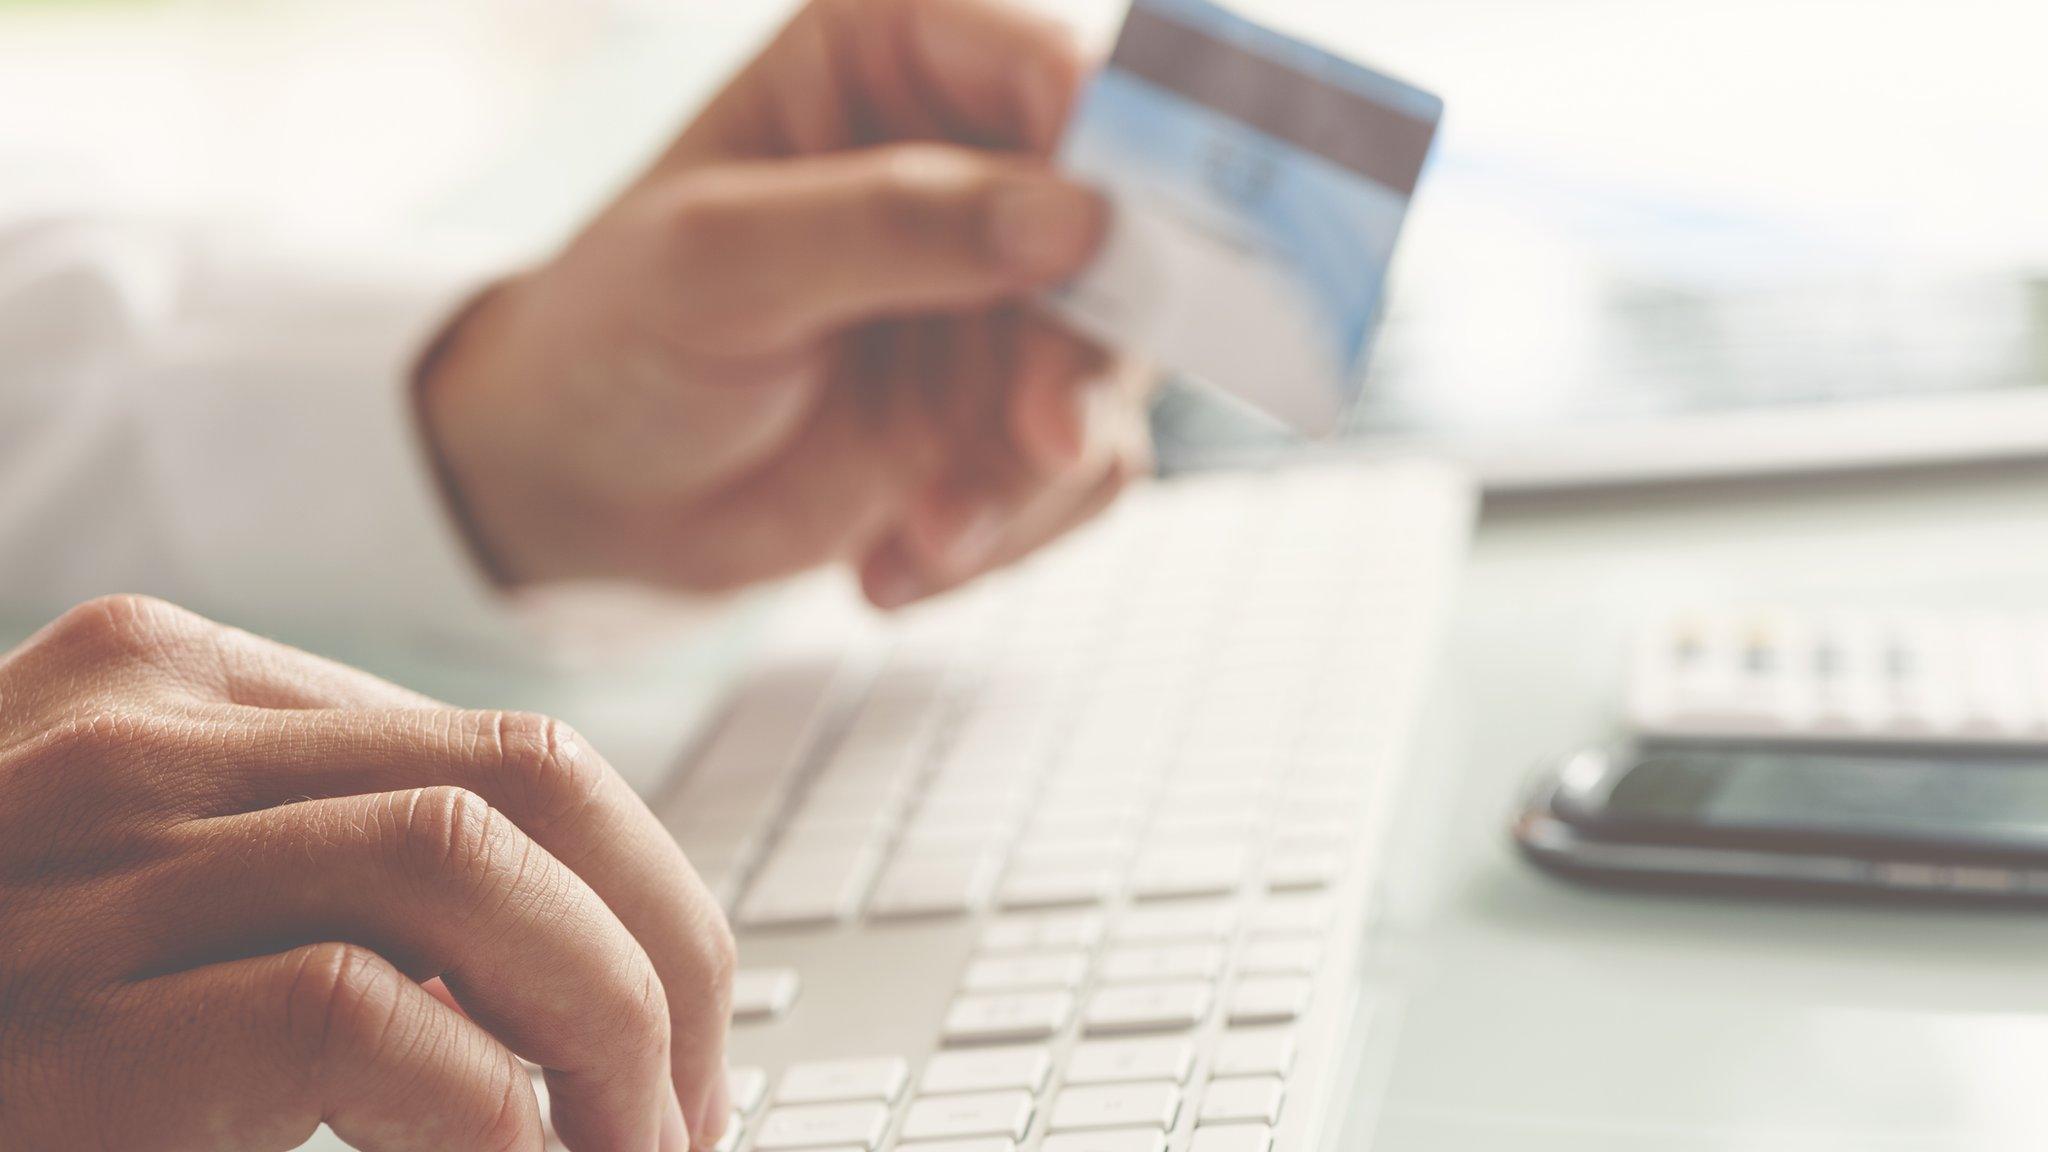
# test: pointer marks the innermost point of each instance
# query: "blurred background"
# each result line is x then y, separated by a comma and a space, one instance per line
1636, 204
1913, 127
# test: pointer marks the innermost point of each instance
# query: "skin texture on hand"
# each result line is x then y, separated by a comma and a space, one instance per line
244, 891
804, 336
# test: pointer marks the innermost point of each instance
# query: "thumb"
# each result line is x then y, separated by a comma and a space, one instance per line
812, 244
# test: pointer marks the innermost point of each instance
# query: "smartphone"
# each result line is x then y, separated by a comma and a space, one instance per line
1913, 823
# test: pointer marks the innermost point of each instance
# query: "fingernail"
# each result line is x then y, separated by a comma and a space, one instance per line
1082, 433
1047, 228
893, 587
675, 1131
1094, 419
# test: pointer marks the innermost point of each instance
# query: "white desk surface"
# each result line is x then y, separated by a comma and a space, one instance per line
1537, 1016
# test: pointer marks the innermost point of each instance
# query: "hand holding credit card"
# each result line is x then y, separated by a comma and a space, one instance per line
1259, 184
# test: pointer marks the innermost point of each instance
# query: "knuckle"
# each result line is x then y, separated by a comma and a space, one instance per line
545, 768
117, 623
645, 1003
340, 1000
694, 218
929, 194
705, 222
714, 231
507, 1128
446, 832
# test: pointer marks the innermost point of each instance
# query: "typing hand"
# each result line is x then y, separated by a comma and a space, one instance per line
230, 872
803, 336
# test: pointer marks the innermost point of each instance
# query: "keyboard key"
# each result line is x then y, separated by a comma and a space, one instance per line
1124, 1061
1291, 916
1004, 1114
1280, 958
977, 1144
735, 1131
986, 1070
1068, 817
1181, 873
1233, 1138
795, 904
1259, 1052
840, 1081
763, 736
1256, 1098
1116, 1106
1172, 923
937, 835
1026, 972
748, 1087
1304, 871
845, 822
823, 887
1268, 1000
1167, 962
1007, 1018
833, 1126
1058, 887
1147, 1008
934, 887
1112, 1140
1054, 932
761, 994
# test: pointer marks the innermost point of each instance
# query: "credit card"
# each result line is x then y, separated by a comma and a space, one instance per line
1259, 184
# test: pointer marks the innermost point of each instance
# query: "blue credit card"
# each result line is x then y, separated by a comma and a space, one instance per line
1260, 184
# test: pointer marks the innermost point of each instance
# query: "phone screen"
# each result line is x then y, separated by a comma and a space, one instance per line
2002, 799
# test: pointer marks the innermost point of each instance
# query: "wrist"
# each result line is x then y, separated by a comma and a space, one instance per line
461, 391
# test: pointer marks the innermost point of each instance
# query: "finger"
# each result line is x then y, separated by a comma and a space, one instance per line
252, 1055
1032, 435
559, 792
1067, 418
1047, 411
898, 573
1005, 75
444, 886
781, 253
871, 445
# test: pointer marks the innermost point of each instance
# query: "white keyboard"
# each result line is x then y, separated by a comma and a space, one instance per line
1079, 860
